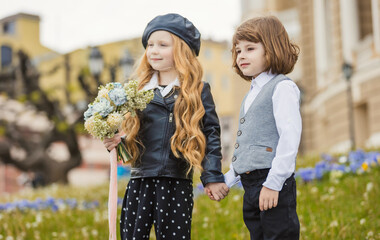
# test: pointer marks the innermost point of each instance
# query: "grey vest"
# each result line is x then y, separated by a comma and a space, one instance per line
257, 136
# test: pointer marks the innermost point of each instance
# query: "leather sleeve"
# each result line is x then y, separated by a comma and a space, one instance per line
211, 129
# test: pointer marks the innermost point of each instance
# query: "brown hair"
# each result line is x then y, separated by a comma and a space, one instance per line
188, 138
281, 54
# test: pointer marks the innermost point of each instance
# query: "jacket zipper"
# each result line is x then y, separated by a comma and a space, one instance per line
171, 117
165, 151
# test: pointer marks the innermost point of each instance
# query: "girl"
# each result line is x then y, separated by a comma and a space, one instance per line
177, 132
269, 128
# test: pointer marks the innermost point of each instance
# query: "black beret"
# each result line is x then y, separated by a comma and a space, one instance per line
177, 25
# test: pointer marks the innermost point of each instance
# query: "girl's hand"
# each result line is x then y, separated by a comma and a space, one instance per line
209, 194
111, 143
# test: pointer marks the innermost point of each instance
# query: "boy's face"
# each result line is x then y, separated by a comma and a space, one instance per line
159, 51
250, 58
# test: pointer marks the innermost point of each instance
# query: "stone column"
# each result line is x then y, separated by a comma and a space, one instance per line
375, 5
349, 27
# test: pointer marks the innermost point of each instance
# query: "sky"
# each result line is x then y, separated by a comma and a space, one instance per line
67, 25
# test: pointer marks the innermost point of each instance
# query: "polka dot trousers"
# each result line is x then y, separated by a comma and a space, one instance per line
167, 203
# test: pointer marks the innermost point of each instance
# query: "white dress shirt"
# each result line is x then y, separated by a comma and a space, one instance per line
287, 115
153, 83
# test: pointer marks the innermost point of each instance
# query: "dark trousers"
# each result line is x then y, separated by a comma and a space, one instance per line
280, 222
167, 203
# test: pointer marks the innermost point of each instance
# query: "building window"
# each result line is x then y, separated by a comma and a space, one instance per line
6, 56
9, 28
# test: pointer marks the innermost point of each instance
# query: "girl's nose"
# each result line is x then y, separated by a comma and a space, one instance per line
153, 49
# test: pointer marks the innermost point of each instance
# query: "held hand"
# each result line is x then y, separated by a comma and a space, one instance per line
268, 199
216, 191
111, 143
209, 194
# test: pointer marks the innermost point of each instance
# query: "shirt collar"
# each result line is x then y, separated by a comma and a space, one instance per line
153, 83
262, 79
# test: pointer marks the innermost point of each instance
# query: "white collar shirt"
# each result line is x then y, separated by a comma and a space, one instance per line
153, 84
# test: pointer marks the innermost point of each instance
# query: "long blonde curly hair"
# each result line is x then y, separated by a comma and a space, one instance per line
188, 138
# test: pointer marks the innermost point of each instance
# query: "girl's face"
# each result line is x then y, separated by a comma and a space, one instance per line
250, 58
160, 51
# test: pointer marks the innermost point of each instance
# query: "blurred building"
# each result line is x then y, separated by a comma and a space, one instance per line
331, 33
112, 61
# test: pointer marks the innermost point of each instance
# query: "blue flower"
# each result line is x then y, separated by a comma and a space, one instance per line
54, 208
118, 96
90, 111
338, 167
103, 107
117, 85
307, 174
320, 169
119, 201
327, 157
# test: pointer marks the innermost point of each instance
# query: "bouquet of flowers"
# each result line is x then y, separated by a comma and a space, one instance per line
105, 115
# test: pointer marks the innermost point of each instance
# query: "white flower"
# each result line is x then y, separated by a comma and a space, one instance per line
331, 190
369, 186
236, 198
343, 159
314, 190
39, 218
334, 224
94, 232
362, 221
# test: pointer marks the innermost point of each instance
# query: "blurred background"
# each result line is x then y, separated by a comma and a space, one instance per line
54, 55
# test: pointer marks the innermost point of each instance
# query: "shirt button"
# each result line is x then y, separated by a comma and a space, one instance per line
175, 96
236, 145
234, 159
239, 133
242, 120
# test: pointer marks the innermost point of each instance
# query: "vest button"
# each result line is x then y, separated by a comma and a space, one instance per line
236, 145
242, 120
239, 133
234, 159
175, 96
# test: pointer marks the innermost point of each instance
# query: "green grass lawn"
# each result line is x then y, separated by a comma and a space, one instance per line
347, 208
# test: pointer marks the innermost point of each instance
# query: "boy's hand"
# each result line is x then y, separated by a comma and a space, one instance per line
268, 198
111, 143
216, 191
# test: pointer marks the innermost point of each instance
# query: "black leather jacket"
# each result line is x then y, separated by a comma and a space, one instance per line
156, 129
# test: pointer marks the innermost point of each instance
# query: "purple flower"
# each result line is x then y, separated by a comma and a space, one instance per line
307, 174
